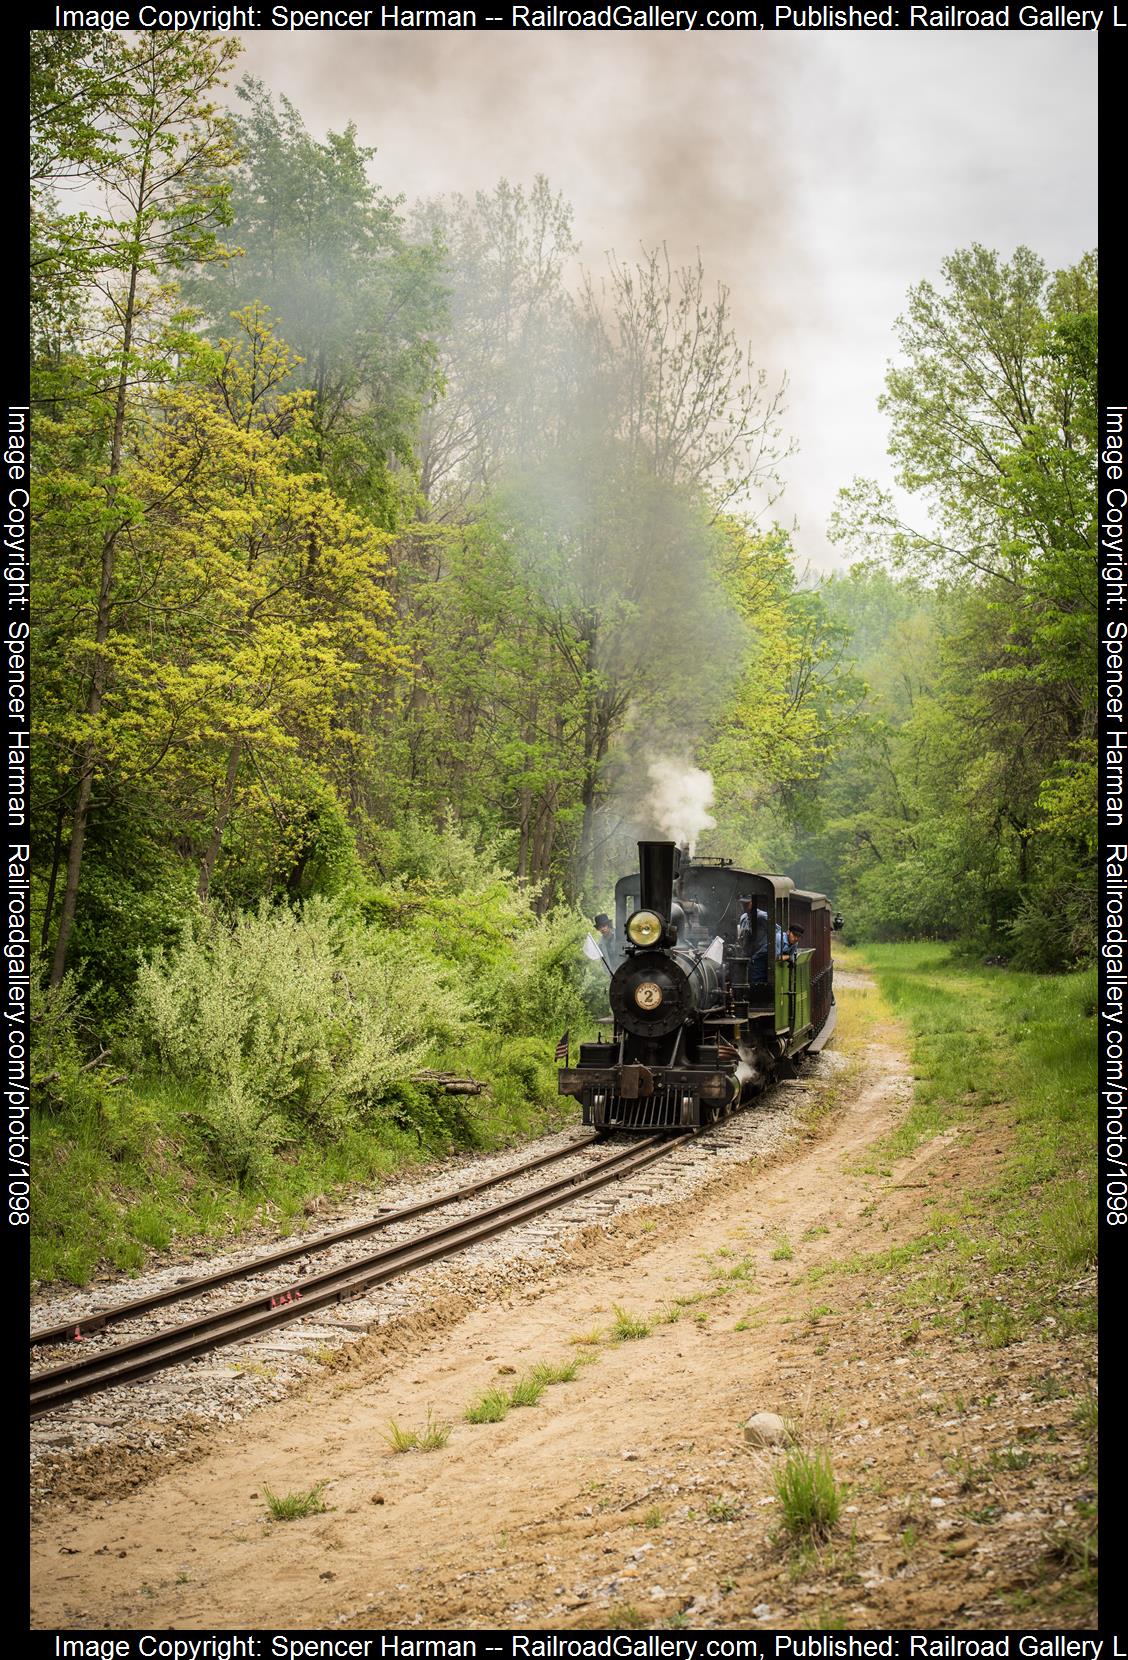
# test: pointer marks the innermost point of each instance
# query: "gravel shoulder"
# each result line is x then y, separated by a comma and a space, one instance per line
628, 1495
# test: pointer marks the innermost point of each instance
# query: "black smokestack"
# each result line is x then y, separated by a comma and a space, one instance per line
657, 863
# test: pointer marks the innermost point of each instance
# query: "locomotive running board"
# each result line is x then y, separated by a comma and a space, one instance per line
827, 1032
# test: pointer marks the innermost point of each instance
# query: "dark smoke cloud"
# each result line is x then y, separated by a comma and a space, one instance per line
654, 138
820, 176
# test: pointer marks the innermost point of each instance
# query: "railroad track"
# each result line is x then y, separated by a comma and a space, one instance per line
141, 1357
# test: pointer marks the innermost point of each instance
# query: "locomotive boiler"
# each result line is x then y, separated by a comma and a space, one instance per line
704, 1012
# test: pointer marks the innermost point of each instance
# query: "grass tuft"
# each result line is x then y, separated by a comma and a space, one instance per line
809, 1496
563, 1372
428, 1439
625, 1614
489, 1408
527, 1391
291, 1507
629, 1327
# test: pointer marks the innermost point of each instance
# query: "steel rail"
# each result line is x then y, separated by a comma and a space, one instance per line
141, 1358
75, 1331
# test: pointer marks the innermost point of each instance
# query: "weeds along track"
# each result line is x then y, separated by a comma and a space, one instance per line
278, 1299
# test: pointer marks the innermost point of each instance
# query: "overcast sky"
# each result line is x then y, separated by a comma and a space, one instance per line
820, 176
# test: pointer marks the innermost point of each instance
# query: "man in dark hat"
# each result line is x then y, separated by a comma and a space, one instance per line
606, 934
787, 944
752, 934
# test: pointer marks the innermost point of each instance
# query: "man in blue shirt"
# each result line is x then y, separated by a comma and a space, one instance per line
787, 944
752, 935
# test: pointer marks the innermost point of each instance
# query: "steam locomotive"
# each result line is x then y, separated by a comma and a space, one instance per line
704, 1012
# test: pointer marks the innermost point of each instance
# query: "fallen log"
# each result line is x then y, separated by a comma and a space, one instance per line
449, 1082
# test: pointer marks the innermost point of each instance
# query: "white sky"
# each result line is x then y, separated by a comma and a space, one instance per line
820, 175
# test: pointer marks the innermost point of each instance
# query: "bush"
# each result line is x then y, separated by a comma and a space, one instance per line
60, 1074
134, 899
273, 1053
305, 1013
241, 1134
540, 989
1054, 930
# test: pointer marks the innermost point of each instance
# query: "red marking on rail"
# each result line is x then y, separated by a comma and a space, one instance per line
78, 1337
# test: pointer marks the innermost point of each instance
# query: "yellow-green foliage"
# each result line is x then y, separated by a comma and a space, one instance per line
286, 582
293, 1019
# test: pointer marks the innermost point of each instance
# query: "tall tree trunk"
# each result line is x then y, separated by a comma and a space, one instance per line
56, 859
525, 795
544, 837
223, 813
525, 802
88, 756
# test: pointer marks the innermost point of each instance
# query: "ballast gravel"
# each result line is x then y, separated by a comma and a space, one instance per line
221, 1388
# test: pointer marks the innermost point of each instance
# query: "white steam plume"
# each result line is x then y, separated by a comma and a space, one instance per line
681, 800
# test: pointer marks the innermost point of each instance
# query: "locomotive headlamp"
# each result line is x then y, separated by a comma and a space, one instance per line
645, 928
648, 994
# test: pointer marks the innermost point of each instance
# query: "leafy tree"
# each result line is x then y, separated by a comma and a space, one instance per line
795, 700
75, 73
993, 423
165, 202
506, 353
621, 562
357, 300
681, 393
274, 608
488, 721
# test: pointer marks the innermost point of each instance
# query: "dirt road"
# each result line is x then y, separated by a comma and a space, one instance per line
629, 1495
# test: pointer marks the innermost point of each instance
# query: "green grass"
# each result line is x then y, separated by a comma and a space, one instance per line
1011, 1458
1085, 1416
527, 1391
489, 1408
430, 1438
745, 1269
117, 1176
629, 1327
492, 1407
1018, 1051
291, 1507
625, 1614
562, 1372
810, 1498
